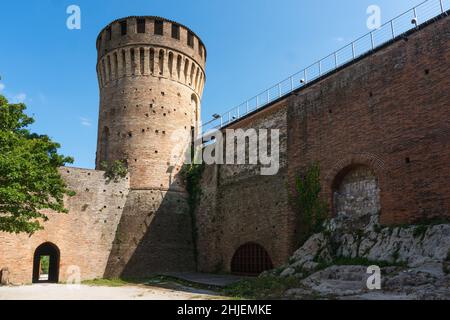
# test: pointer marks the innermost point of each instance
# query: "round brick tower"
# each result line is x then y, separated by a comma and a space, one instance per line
151, 74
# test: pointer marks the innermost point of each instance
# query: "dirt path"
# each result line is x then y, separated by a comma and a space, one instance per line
84, 292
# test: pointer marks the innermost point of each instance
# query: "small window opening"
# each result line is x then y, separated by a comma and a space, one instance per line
123, 27
175, 31
140, 25
159, 27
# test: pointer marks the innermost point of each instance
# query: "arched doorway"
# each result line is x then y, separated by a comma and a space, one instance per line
46, 264
250, 259
356, 196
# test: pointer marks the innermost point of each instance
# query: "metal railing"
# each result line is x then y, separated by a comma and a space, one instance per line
403, 23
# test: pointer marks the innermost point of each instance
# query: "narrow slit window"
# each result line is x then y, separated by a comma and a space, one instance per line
175, 31
142, 60
159, 27
140, 25
152, 60
133, 62
123, 28
190, 39
161, 62
108, 33
124, 63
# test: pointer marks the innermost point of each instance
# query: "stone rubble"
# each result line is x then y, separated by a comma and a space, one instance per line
414, 261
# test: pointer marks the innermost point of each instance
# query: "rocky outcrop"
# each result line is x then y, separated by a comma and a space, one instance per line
414, 262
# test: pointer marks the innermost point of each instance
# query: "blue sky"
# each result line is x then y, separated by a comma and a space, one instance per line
252, 44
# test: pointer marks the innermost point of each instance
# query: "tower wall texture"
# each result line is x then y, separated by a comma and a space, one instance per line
151, 77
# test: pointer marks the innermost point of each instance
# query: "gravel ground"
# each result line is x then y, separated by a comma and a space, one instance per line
84, 292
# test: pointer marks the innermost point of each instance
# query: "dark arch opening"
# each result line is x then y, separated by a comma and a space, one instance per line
250, 259
46, 264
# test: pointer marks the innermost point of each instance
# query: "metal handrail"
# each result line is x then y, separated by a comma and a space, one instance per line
394, 28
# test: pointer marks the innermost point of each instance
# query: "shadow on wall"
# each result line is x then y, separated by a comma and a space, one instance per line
155, 234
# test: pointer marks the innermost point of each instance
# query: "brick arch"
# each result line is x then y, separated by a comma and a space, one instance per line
51, 250
342, 167
250, 258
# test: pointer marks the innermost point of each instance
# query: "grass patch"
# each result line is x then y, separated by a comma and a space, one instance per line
270, 287
157, 281
359, 261
106, 282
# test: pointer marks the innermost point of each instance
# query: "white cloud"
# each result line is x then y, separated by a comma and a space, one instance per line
2, 87
339, 39
85, 122
42, 98
20, 98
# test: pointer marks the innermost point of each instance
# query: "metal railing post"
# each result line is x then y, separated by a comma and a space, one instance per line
392, 29
442, 6
268, 96
306, 76
320, 67
353, 50
371, 40
246, 106
335, 60
279, 90
257, 102
292, 83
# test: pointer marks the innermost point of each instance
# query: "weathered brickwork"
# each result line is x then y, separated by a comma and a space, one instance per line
239, 205
84, 236
380, 130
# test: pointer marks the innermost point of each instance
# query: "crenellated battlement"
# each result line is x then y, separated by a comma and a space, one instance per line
150, 46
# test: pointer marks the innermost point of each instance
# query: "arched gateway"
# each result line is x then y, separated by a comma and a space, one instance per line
46, 264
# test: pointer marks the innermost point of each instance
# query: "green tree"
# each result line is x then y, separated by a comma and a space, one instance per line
29, 177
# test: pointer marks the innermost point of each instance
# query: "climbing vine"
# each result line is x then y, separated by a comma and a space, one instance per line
192, 175
312, 210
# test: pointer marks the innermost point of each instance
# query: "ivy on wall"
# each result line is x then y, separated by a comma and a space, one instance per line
311, 209
192, 175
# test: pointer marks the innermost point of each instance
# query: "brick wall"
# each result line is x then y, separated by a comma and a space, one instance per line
389, 111
386, 112
239, 205
84, 236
